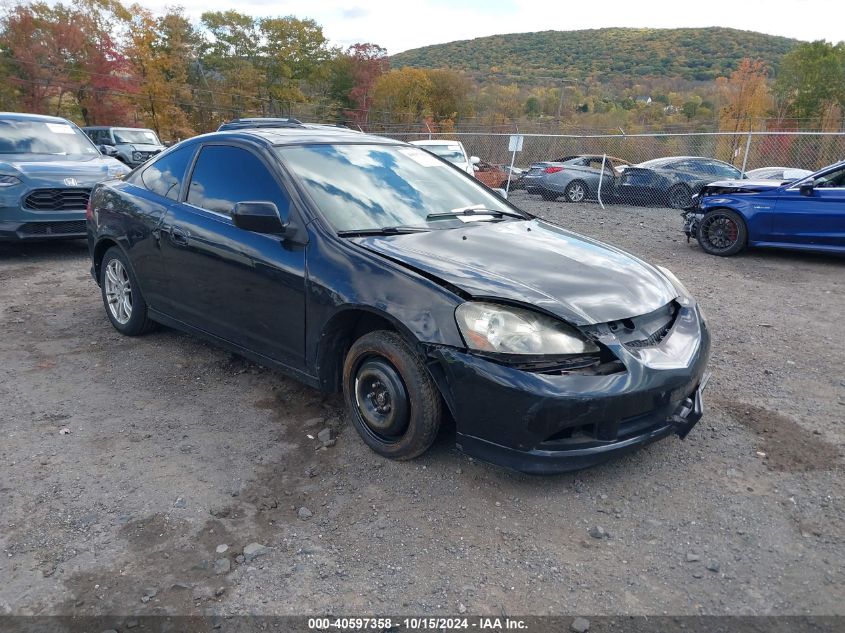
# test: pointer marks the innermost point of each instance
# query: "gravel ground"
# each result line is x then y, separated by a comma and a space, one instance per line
127, 464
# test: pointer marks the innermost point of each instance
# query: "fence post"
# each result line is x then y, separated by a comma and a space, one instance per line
601, 177
747, 149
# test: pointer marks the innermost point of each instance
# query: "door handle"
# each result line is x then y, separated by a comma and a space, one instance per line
179, 236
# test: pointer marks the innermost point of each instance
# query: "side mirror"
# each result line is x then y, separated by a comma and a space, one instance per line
259, 217
501, 193
806, 188
474, 160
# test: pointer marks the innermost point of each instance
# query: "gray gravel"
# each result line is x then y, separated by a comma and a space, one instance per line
89, 519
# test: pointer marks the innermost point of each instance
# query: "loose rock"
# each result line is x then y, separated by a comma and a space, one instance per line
598, 531
254, 550
692, 557
222, 566
304, 513
580, 625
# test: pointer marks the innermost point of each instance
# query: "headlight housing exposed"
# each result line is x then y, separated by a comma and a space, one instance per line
507, 330
684, 296
9, 181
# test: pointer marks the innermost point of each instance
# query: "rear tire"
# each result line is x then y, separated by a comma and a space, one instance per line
722, 232
122, 298
576, 191
391, 398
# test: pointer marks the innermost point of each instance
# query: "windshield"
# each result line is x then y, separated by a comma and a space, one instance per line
39, 137
452, 153
133, 136
361, 187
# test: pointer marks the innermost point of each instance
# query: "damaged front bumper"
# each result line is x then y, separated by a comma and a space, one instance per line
541, 423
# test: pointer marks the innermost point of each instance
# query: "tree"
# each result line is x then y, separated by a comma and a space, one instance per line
811, 81
161, 50
745, 96
404, 92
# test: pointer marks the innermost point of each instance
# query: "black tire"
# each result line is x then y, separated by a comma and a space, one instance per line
391, 398
722, 232
576, 191
680, 197
138, 322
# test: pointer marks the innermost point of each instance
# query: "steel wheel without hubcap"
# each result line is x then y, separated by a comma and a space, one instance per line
118, 291
382, 400
720, 231
576, 192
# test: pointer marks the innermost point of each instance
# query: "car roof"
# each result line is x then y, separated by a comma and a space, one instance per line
298, 134
23, 116
435, 141
656, 162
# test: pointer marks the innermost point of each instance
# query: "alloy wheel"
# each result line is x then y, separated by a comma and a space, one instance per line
575, 192
118, 291
720, 231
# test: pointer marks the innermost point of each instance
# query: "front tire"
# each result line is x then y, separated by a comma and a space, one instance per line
722, 232
125, 306
391, 398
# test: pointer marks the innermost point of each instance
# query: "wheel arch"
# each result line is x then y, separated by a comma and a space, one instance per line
103, 245
341, 331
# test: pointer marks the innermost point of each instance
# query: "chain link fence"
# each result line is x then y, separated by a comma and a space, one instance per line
642, 169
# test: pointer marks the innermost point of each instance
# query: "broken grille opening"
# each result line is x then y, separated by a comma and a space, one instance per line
647, 330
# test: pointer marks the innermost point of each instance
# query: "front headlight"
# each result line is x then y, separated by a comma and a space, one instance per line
684, 296
9, 181
489, 327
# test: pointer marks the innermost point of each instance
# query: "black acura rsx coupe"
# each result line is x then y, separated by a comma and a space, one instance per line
364, 265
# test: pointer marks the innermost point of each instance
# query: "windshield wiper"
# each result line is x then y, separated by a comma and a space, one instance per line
474, 211
384, 230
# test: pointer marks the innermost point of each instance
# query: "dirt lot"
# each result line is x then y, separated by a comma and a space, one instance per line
125, 463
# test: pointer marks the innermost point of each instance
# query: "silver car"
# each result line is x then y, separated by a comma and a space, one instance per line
576, 178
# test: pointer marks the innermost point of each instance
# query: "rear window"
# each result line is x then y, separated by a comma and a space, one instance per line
165, 175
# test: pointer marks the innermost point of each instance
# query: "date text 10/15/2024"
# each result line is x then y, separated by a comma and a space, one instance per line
414, 624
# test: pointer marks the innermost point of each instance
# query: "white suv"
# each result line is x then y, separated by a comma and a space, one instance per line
453, 151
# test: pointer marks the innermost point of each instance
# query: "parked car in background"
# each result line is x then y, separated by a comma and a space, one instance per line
576, 178
130, 145
516, 173
47, 169
452, 151
362, 264
807, 214
491, 175
671, 181
777, 173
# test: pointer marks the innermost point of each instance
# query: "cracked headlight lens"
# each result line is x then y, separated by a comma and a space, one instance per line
489, 327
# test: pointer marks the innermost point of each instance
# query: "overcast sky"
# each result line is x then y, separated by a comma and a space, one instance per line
402, 24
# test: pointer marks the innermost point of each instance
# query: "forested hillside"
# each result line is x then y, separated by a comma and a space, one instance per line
606, 54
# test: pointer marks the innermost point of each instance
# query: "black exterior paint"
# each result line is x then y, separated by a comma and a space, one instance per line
292, 302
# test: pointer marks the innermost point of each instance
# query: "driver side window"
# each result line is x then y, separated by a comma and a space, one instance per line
832, 179
225, 175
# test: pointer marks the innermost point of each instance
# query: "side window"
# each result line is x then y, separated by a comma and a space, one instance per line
225, 175
832, 179
165, 175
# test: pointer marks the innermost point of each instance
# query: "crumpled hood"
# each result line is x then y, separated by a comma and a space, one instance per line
737, 186
574, 277
49, 170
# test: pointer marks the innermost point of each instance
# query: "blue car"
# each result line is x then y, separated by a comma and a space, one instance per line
805, 214
48, 167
